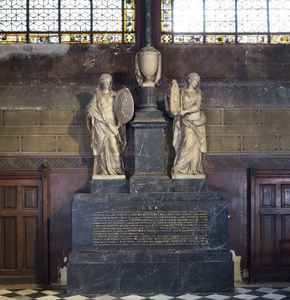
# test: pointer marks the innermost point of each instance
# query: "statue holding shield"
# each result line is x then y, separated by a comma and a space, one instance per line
107, 115
189, 137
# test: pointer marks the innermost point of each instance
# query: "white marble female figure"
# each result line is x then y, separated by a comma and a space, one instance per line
189, 138
107, 129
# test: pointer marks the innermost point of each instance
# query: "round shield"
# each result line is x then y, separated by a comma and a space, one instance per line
124, 106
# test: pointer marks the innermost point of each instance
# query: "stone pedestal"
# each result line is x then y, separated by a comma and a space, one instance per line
150, 242
148, 139
148, 148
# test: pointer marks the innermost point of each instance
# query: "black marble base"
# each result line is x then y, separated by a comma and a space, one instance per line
163, 242
109, 186
143, 184
163, 184
154, 271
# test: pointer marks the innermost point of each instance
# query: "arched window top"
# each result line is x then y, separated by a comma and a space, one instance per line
225, 21
67, 21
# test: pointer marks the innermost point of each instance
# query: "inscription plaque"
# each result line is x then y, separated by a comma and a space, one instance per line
150, 228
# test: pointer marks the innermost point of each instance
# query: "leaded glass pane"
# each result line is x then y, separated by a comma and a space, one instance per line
253, 39
12, 38
13, 15
75, 38
129, 38
166, 38
220, 16
107, 38
279, 15
75, 15
188, 38
107, 15
166, 16
221, 39
280, 39
188, 16
129, 16
43, 15
252, 16
43, 38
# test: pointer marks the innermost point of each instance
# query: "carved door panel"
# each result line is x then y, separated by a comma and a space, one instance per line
271, 229
21, 221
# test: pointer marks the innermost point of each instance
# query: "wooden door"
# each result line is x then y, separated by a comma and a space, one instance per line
22, 255
270, 259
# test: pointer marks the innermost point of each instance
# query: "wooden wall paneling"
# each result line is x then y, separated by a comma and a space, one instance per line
46, 211
30, 226
23, 226
285, 241
9, 244
270, 226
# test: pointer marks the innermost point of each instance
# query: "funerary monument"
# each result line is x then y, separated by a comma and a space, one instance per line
150, 223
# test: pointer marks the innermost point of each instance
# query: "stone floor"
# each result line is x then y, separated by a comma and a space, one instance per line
243, 293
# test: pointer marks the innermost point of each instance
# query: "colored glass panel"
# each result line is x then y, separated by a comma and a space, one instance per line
279, 15
220, 16
188, 16
107, 15
252, 16
225, 21
67, 21
75, 15
13, 15
166, 16
43, 15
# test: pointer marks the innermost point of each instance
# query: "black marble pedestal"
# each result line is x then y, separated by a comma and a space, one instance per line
174, 242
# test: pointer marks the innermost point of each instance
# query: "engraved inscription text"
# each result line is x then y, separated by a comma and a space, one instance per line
150, 228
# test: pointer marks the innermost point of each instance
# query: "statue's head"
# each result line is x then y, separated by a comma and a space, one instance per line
193, 79
105, 81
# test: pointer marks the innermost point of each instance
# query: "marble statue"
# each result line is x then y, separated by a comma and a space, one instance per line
189, 136
107, 114
148, 67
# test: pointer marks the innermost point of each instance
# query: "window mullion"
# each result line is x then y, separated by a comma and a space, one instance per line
59, 21
27, 21
236, 21
204, 21
268, 20
123, 22
92, 20
172, 20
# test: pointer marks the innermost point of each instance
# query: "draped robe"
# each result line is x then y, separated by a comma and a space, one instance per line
189, 138
106, 140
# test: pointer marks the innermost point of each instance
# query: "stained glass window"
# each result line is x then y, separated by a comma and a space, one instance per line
67, 21
225, 21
